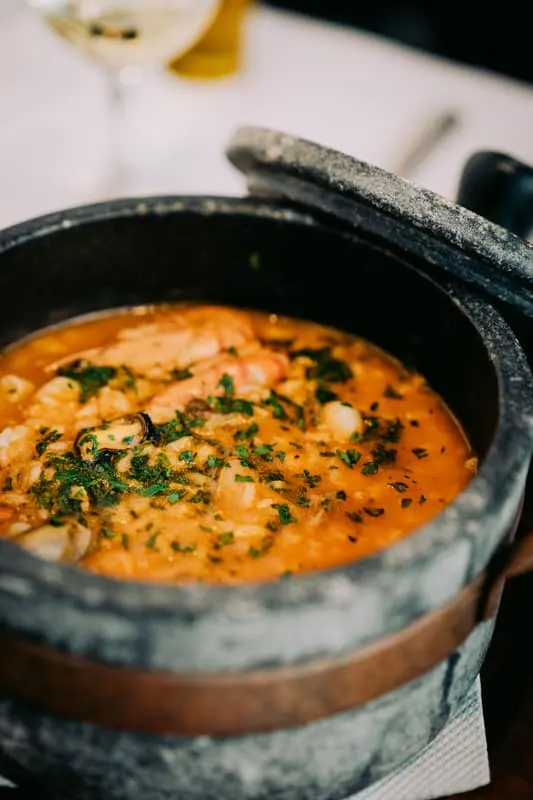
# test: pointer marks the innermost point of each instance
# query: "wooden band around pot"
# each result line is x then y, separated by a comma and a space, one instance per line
229, 704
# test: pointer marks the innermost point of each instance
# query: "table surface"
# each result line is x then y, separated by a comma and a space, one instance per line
349, 90
352, 91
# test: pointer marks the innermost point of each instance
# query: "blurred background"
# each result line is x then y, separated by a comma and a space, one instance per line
107, 98
478, 35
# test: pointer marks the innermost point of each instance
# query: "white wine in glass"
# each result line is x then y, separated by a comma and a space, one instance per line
121, 34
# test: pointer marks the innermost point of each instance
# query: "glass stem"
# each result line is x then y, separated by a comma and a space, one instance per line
117, 169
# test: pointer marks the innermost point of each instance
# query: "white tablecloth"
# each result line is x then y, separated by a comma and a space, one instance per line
356, 92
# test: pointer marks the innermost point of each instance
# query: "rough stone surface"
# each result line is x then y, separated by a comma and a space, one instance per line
486, 255
329, 760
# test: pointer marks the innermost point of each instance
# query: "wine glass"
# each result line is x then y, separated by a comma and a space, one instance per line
128, 38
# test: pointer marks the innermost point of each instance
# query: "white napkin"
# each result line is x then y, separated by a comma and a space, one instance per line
455, 761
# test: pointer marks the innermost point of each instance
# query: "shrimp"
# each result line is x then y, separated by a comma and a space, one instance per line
258, 369
188, 336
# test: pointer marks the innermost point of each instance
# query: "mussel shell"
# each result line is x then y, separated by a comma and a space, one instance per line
118, 435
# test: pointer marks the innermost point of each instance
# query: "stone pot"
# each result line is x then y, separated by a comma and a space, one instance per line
309, 688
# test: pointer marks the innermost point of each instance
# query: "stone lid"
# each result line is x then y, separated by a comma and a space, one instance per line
412, 219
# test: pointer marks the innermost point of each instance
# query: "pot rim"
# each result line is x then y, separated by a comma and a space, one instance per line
506, 458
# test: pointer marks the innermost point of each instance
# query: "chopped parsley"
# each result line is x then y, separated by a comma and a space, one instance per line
349, 457
155, 489
264, 451
168, 432
327, 368
101, 483
175, 496
277, 409
212, 462
180, 374
354, 516
419, 452
311, 480
233, 405
182, 548
374, 512
370, 468
392, 393
393, 431
382, 455
244, 455
266, 544
243, 479
226, 382
399, 486
90, 378
323, 394
201, 496
151, 542
48, 438
285, 516
406, 502
246, 433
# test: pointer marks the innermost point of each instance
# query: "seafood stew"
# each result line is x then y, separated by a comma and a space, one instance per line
206, 443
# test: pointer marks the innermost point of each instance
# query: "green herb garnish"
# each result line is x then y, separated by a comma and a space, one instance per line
151, 542
246, 433
90, 378
354, 516
183, 548
349, 457
48, 438
180, 374
374, 512
369, 468
399, 486
419, 452
226, 382
392, 393
285, 516
176, 496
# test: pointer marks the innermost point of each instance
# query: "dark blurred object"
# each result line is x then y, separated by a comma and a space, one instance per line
481, 37
500, 188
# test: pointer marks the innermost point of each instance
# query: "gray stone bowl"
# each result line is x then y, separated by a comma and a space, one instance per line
371, 279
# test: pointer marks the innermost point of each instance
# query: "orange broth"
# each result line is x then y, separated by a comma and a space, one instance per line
269, 446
